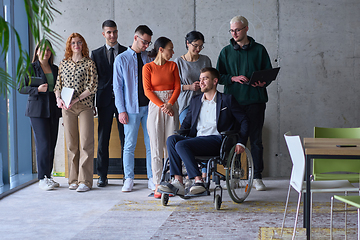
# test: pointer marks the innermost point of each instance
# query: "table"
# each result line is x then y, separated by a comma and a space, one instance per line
325, 148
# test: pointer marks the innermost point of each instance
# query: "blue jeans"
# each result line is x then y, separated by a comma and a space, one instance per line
183, 114
131, 132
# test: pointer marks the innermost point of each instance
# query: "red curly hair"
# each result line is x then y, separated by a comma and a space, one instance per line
69, 52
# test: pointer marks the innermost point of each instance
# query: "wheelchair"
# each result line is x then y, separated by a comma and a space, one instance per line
239, 170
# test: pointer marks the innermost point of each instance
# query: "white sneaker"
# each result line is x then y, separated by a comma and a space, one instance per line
73, 186
259, 185
198, 187
55, 184
176, 184
128, 185
151, 184
45, 184
179, 186
82, 188
188, 183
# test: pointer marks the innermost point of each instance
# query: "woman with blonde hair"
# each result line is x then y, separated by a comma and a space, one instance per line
78, 71
43, 113
162, 87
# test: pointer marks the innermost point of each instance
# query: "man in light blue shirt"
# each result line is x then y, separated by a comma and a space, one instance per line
131, 102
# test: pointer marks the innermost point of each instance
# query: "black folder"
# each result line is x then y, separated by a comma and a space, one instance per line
36, 81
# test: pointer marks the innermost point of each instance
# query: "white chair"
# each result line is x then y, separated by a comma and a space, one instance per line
297, 178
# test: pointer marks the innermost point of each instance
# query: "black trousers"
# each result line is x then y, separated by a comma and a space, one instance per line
45, 135
105, 120
256, 115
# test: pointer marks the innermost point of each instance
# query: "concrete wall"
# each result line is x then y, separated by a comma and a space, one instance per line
314, 42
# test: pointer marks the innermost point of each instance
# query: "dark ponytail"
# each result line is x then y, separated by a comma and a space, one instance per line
160, 42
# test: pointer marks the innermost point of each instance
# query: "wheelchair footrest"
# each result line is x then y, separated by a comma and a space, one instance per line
173, 190
206, 193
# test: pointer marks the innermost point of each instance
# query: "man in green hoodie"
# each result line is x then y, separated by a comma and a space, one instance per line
236, 63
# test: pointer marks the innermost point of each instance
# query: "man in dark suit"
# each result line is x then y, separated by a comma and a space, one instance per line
209, 114
105, 102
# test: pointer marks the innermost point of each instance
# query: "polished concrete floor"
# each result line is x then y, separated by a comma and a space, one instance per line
108, 213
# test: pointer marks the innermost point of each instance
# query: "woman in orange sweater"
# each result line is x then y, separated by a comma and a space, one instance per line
162, 86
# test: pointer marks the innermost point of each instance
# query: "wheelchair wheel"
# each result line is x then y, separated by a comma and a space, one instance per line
164, 199
239, 175
217, 202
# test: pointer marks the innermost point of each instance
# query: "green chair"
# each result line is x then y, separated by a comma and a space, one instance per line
351, 200
336, 169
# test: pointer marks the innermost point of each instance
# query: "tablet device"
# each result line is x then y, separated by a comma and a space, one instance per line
36, 81
267, 75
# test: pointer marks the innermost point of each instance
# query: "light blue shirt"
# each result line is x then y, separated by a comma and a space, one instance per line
126, 80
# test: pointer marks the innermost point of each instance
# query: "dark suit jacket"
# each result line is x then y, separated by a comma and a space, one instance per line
105, 76
39, 104
229, 116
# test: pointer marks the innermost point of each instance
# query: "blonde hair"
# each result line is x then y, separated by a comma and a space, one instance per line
241, 19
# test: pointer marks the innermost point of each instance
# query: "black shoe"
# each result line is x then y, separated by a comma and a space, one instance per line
102, 182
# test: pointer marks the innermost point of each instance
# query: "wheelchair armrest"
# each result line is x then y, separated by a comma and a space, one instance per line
183, 132
228, 133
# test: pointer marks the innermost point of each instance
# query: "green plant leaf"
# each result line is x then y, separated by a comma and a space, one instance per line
40, 14
5, 38
6, 82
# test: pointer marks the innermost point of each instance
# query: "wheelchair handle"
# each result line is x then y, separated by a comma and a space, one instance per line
183, 132
227, 133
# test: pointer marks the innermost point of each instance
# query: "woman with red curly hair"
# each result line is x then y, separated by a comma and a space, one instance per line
78, 71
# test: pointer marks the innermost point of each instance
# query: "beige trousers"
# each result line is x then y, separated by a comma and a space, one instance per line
160, 126
79, 135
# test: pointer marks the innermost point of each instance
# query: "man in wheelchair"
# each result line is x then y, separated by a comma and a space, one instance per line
209, 114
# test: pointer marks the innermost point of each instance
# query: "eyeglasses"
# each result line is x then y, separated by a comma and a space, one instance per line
201, 47
236, 30
144, 41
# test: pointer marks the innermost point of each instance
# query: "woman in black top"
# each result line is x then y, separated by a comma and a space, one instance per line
43, 112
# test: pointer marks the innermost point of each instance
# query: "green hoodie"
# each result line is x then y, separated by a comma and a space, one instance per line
233, 62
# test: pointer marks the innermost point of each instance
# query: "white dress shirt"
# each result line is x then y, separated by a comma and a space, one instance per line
206, 124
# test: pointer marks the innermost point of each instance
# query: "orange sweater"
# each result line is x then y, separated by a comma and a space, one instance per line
161, 78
